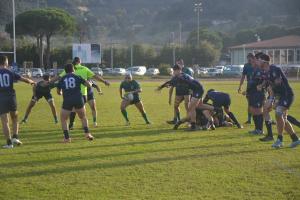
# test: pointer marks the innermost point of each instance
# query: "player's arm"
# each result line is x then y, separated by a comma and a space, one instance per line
166, 84
97, 88
86, 83
206, 99
27, 80
170, 94
100, 79
121, 92
241, 83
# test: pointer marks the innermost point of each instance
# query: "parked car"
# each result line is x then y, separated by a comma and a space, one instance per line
118, 71
25, 72
152, 72
233, 70
213, 72
107, 71
137, 70
97, 70
36, 72
220, 68
201, 71
52, 72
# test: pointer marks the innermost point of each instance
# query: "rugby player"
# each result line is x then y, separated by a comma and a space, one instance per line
8, 102
131, 87
196, 98
247, 73
70, 87
282, 91
182, 93
221, 100
42, 89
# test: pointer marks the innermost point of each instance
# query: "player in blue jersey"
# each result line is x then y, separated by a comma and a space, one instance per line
221, 100
91, 100
8, 102
42, 89
247, 73
196, 97
281, 90
182, 93
70, 87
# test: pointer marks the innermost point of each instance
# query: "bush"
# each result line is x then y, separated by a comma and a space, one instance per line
164, 69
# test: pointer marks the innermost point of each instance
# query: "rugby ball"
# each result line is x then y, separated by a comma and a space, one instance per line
129, 97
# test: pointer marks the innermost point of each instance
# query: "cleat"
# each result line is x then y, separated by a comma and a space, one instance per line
24, 121
172, 122
127, 123
95, 124
247, 122
266, 139
294, 144
176, 126
148, 122
71, 127
89, 136
67, 140
240, 126
55, 121
16, 141
8, 146
256, 132
278, 144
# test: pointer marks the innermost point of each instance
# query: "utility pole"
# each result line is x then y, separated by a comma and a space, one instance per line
173, 46
14, 30
180, 33
198, 8
131, 55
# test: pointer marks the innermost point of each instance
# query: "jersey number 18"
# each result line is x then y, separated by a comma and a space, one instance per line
70, 83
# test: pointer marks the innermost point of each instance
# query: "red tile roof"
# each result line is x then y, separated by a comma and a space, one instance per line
281, 42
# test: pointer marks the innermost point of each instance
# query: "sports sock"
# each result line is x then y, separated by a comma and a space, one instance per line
145, 117
293, 120
55, 119
255, 122
25, 117
294, 137
124, 113
249, 117
86, 129
94, 119
8, 142
231, 115
193, 125
72, 118
269, 128
177, 116
15, 136
66, 134
260, 122
280, 137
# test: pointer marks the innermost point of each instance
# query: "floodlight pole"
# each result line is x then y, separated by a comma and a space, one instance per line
198, 9
14, 30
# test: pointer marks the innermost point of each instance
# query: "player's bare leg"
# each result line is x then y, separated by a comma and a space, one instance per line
28, 110
53, 110
6, 131
15, 128
92, 104
82, 115
140, 107
123, 107
64, 116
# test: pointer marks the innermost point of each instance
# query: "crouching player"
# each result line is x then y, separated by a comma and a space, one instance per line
280, 88
8, 102
221, 99
42, 89
132, 90
69, 86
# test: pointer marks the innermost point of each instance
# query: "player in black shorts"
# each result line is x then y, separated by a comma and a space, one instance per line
42, 89
69, 87
91, 100
8, 102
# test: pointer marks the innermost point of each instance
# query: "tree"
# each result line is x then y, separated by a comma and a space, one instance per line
40, 23
245, 36
205, 35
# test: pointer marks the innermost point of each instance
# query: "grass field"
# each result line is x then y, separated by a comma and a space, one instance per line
146, 161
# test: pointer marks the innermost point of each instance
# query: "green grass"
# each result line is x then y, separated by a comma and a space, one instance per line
146, 162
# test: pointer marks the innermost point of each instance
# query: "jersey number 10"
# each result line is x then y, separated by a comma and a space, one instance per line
70, 83
4, 80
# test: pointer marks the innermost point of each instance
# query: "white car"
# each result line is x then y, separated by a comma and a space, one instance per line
137, 70
36, 72
97, 70
118, 71
152, 72
220, 68
213, 72
201, 71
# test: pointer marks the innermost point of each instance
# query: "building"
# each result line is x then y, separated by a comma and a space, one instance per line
283, 51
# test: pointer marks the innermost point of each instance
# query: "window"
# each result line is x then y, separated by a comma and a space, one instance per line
283, 56
270, 53
277, 57
298, 56
291, 56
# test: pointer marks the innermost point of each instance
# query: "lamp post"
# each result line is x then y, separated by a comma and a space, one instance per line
198, 8
14, 29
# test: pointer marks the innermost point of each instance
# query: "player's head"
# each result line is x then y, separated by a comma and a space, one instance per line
256, 62
250, 58
69, 68
176, 70
46, 77
180, 62
263, 60
128, 77
3, 61
211, 90
76, 61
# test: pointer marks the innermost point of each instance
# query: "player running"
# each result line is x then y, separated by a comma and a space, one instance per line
132, 90
196, 98
281, 90
221, 100
42, 89
8, 102
69, 87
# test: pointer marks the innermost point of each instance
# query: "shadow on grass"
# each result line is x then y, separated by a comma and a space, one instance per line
137, 162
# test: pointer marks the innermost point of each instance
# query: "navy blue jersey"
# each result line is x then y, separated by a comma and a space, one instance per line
279, 82
7, 79
258, 78
248, 72
184, 79
218, 98
70, 85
